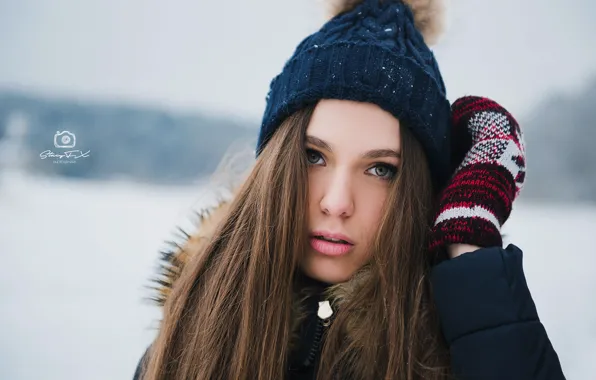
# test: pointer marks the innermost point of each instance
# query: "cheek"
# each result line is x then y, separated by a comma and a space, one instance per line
315, 190
371, 202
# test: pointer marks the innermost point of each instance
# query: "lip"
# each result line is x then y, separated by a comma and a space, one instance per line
329, 248
332, 235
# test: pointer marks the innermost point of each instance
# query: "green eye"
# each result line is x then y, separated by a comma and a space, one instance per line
313, 157
383, 171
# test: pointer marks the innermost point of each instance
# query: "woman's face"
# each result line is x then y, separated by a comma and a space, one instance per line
353, 150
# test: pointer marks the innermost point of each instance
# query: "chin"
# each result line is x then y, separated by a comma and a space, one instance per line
329, 270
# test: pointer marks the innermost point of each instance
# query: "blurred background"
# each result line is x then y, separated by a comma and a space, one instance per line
149, 95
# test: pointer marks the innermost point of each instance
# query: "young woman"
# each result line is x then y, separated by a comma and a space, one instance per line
365, 243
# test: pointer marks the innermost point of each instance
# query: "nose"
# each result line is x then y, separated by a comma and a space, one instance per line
338, 199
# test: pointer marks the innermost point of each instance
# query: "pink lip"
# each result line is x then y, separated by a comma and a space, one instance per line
332, 235
329, 248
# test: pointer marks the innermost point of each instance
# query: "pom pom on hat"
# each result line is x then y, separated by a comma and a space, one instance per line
429, 15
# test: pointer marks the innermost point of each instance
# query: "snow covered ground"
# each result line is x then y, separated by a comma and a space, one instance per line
76, 258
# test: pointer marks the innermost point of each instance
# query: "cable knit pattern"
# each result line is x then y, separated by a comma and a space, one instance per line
373, 54
490, 153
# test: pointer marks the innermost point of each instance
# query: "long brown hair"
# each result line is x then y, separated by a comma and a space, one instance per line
230, 314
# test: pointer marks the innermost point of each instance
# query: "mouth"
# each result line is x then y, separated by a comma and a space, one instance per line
331, 240
331, 244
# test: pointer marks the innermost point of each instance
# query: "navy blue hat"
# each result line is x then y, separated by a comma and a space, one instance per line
372, 53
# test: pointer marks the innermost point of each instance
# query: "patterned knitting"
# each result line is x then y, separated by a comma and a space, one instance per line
374, 54
488, 146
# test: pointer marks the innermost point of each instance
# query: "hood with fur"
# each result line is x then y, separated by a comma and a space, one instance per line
184, 245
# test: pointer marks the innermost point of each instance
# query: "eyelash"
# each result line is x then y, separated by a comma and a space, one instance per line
391, 168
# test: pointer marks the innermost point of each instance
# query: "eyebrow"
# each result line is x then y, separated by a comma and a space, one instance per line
371, 154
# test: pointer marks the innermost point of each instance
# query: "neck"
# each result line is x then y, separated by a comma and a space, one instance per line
304, 281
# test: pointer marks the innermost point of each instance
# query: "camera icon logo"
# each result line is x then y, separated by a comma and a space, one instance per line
64, 139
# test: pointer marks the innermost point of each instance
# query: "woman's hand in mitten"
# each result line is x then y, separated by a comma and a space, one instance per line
489, 150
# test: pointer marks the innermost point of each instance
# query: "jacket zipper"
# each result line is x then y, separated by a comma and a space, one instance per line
324, 315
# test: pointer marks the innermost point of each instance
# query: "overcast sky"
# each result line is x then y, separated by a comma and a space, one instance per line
219, 56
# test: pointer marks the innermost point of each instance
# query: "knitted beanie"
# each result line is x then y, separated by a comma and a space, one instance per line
371, 51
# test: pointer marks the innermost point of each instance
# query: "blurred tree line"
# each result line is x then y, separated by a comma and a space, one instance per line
560, 137
142, 144
152, 145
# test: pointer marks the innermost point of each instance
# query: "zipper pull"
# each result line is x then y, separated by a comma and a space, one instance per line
325, 310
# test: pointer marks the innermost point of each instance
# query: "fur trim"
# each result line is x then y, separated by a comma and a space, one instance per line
428, 15
179, 250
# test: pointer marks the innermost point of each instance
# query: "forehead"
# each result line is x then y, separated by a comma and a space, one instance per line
354, 126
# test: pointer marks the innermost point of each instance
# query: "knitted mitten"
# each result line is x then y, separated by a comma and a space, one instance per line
489, 149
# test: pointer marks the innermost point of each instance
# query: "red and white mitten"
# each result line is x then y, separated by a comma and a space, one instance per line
489, 148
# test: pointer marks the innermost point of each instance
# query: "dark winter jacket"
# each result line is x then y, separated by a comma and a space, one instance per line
487, 315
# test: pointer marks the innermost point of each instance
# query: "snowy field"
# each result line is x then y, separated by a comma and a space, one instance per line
77, 257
